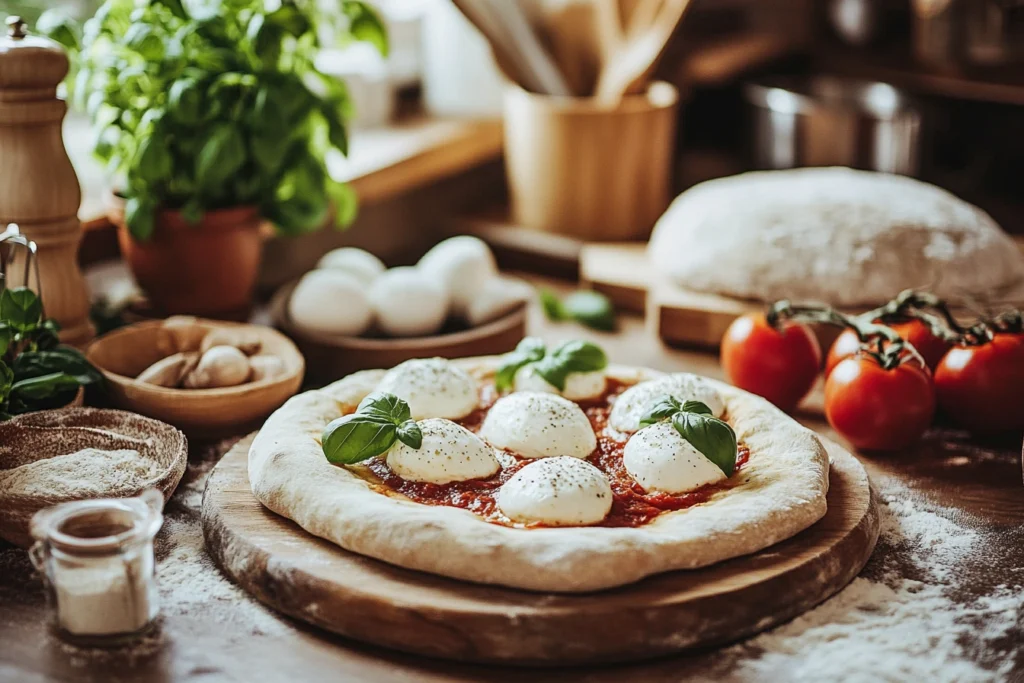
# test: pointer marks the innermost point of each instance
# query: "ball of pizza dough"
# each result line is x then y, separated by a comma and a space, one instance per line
463, 265
539, 425
579, 386
330, 302
408, 302
359, 263
660, 459
562, 491
449, 452
634, 402
433, 387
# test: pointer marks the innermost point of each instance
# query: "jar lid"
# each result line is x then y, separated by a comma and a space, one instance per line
29, 62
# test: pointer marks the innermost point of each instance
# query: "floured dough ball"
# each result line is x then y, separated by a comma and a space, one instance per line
634, 402
498, 296
539, 425
330, 302
558, 492
359, 263
432, 387
408, 303
845, 237
449, 452
463, 265
660, 459
579, 386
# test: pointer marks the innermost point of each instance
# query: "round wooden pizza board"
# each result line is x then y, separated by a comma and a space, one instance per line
365, 599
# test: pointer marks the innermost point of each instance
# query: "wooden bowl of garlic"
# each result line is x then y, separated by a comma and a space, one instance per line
208, 378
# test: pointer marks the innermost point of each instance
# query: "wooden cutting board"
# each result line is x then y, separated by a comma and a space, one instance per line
677, 315
367, 600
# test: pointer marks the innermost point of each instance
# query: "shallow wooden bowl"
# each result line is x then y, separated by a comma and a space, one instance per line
204, 413
333, 357
35, 437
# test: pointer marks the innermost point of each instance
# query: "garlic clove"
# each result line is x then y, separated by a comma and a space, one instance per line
170, 371
220, 366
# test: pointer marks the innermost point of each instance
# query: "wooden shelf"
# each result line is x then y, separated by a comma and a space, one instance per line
996, 85
382, 163
721, 61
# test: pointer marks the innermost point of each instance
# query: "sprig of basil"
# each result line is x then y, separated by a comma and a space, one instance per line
553, 367
695, 422
529, 350
585, 306
20, 308
380, 420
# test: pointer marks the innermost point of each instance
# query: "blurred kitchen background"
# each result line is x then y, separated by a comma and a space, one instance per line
928, 88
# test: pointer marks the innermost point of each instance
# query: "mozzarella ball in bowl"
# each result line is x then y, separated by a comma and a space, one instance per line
359, 263
408, 303
463, 265
561, 491
330, 302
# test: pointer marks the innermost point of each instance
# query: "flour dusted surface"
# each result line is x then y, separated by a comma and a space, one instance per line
836, 235
87, 473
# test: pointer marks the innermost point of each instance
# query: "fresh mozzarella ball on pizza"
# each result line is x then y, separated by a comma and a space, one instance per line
464, 264
432, 387
660, 459
359, 263
449, 452
558, 492
638, 399
539, 425
578, 385
408, 302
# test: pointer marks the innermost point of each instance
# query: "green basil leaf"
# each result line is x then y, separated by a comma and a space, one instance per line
184, 101
553, 308
289, 19
662, 409
409, 433
152, 159
354, 438
61, 360
698, 407
221, 156
344, 202
46, 386
6, 336
529, 350
711, 436
385, 406
572, 356
56, 25
365, 25
177, 9
6, 380
20, 308
590, 308
140, 215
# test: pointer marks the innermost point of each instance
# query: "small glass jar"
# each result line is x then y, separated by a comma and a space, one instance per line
96, 557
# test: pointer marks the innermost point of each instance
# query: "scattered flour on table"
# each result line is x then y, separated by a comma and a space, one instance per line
898, 620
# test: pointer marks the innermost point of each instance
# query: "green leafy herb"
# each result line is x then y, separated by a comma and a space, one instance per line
586, 307
379, 421
203, 105
553, 367
36, 373
529, 350
695, 422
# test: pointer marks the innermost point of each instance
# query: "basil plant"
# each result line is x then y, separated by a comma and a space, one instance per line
207, 104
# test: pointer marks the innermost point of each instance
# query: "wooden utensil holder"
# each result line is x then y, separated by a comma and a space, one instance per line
598, 174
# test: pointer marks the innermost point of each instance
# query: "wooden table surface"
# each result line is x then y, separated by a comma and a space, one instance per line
974, 487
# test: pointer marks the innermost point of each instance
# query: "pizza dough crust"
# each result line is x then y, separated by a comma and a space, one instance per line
844, 237
783, 492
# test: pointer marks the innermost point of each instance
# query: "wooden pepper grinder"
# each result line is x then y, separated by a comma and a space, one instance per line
39, 190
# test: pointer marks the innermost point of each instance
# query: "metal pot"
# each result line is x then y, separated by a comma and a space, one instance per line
826, 121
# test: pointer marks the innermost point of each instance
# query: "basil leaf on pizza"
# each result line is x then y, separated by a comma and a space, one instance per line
529, 350
572, 356
380, 420
696, 423
354, 438
711, 436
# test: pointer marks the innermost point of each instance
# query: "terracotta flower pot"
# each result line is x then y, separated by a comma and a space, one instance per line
208, 269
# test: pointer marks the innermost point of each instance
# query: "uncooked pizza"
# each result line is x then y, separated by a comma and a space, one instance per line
546, 469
